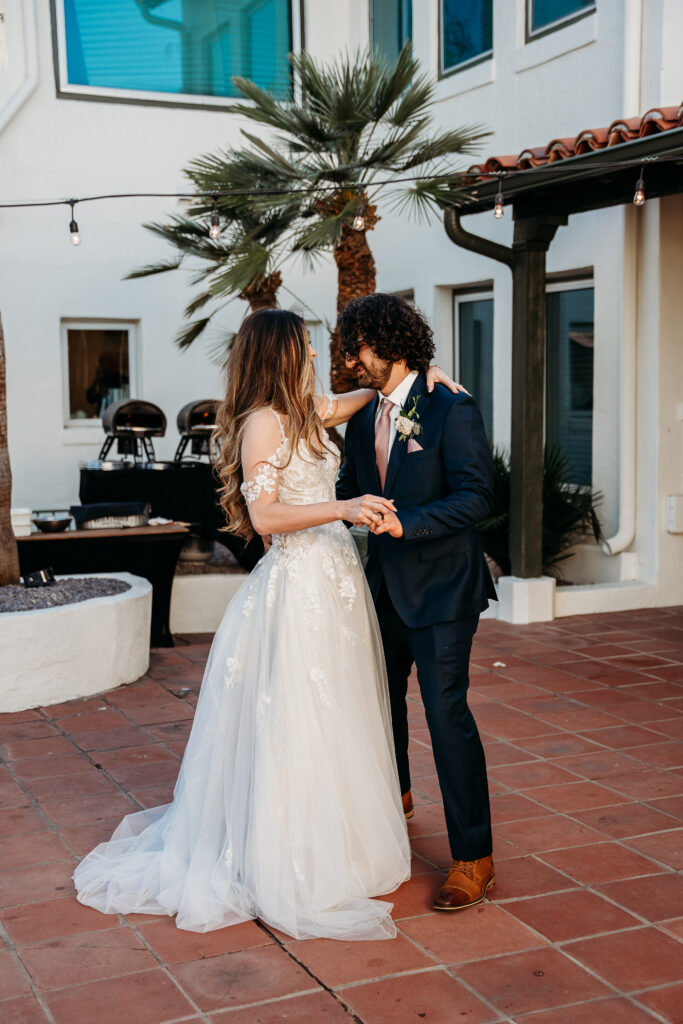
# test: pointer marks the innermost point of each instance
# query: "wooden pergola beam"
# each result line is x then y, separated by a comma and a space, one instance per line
527, 261
532, 237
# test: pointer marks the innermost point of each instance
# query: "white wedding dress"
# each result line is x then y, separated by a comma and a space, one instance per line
287, 805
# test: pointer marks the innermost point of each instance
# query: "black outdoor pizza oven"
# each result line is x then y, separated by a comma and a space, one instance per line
132, 423
196, 421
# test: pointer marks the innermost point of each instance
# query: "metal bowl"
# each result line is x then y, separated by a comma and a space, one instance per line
52, 523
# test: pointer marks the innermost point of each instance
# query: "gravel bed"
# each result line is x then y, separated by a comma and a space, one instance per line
18, 598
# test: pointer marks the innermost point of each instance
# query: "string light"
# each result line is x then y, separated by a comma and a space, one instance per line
215, 229
462, 182
73, 226
359, 219
499, 208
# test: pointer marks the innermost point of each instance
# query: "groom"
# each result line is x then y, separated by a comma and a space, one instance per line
425, 568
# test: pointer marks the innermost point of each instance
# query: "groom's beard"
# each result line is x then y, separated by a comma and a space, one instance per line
374, 376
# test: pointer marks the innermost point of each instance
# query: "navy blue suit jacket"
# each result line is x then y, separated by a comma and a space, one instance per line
436, 572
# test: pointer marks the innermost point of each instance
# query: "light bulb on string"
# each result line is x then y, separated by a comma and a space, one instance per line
215, 229
73, 226
359, 219
499, 208
639, 195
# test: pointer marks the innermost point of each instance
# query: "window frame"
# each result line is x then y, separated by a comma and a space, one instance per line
445, 72
474, 294
371, 24
93, 323
554, 26
138, 97
569, 281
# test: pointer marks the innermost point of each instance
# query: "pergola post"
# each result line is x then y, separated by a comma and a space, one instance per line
532, 237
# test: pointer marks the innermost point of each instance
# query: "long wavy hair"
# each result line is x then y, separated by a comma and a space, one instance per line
269, 365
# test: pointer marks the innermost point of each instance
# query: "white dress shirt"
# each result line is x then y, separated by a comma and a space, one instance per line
399, 397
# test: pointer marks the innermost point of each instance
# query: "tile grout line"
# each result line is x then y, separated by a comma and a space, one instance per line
14, 953
163, 967
268, 931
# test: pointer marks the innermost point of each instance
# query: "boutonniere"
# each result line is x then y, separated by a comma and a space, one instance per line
406, 425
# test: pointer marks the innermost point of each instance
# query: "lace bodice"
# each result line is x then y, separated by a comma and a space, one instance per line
305, 480
301, 480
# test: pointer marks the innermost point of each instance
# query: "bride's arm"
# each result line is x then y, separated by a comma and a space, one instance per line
260, 489
336, 409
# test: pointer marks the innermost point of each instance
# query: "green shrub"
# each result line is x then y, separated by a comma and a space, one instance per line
569, 513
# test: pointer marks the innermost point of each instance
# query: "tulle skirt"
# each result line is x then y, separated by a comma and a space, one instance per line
287, 805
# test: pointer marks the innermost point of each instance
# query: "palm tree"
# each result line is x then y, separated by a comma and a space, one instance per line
9, 555
353, 125
241, 261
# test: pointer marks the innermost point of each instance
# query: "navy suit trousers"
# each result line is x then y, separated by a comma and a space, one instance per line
441, 653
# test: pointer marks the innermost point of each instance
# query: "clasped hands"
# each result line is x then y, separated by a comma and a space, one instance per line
374, 511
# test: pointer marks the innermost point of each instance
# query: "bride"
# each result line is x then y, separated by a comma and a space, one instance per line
287, 805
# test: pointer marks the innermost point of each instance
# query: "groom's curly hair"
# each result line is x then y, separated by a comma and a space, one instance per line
392, 327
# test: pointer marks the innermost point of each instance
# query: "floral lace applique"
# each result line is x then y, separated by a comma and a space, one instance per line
265, 481
329, 408
319, 681
232, 665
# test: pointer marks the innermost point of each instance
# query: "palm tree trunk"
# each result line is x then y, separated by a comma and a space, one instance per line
263, 295
356, 276
9, 554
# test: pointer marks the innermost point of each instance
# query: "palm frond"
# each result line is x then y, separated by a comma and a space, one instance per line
218, 350
460, 140
155, 268
187, 335
198, 303
325, 233
248, 266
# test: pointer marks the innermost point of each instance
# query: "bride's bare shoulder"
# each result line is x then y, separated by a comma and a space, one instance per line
262, 433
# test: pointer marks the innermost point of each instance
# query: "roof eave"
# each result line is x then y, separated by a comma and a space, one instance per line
604, 174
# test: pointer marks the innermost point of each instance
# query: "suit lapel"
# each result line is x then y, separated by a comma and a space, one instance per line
399, 448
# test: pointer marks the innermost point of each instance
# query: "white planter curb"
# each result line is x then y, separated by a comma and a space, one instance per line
50, 655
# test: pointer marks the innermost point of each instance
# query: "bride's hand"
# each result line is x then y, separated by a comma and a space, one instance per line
435, 375
367, 510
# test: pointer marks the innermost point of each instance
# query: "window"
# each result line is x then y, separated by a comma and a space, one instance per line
155, 49
474, 351
391, 25
569, 363
466, 32
99, 368
550, 14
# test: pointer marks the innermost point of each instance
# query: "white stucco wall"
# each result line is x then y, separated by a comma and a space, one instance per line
618, 62
50, 655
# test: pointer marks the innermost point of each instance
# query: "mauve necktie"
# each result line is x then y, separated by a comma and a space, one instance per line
382, 435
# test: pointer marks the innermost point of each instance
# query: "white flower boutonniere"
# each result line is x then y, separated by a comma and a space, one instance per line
406, 425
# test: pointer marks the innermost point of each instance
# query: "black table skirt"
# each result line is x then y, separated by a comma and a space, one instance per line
153, 556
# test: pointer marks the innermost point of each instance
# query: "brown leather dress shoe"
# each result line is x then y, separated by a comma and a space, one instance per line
467, 883
408, 806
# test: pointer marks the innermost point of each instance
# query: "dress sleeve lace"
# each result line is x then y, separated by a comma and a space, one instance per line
265, 472
329, 407
263, 481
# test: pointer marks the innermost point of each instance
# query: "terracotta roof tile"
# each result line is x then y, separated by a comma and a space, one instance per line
658, 119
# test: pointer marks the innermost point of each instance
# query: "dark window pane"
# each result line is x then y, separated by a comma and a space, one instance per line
392, 26
178, 46
569, 410
545, 12
475, 338
98, 370
466, 29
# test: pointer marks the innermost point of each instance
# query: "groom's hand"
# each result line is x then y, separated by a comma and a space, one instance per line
390, 524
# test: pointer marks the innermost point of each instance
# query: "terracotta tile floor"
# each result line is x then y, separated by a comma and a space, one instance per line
583, 725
